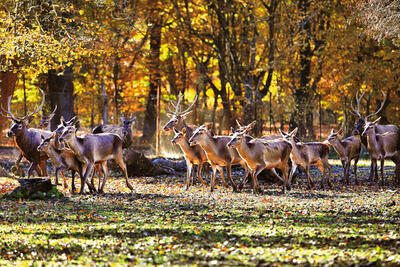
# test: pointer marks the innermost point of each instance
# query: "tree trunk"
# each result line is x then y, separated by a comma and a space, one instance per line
61, 93
7, 86
149, 127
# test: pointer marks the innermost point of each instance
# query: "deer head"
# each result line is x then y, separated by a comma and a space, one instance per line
239, 134
44, 145
45, 121
361, 122
19, 124
369, 127
176, 115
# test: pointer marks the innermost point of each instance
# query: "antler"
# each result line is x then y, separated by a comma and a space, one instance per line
37, 109
175, 106
357, 112
8, 111
53, 112
381, 107
190, 107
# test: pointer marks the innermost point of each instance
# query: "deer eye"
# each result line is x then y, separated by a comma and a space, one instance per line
20, 126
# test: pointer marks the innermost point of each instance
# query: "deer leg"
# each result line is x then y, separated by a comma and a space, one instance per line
105, 171
73, 181
382, 170
276, 175
355, 170
246, 175
229, 172
94, 172
188, 174
32, 167
309, 180
285, 171
43, 168
254, 181
292, 171
259, 169
121, 163
200, 166
346, 172
373, 170
213, 178
89, 168
221, 171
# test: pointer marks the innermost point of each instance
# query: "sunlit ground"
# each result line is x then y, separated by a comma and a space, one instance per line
161, 223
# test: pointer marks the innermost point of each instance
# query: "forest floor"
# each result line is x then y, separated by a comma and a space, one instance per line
161, 223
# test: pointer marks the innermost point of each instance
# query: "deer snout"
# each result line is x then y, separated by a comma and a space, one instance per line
10, 134
192, 142
166, 128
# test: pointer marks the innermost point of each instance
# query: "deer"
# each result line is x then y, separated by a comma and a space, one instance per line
192, 155
260, 154
348, 149
177, 121
95, 148
28, 139
218, 154
62, 159
46, 119
124, 131
307, 154
362, 121
381, 147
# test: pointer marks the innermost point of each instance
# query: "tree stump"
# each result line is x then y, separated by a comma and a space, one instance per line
35, 188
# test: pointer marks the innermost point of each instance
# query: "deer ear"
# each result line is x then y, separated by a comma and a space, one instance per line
175, 130
238, 123
170, 115
133, 119
282, 133
184, 130
41, 136
332, 131
208, 126
232, 130
293, 133
340, 131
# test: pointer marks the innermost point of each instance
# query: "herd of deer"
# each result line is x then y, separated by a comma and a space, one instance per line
81, 154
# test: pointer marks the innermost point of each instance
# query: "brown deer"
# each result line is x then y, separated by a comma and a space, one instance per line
62, 159
95, 148
362, 121
192, 156
381, 147
347, 149
307, 154
46, 119
28, 139
218, 154
124, 131
260, 154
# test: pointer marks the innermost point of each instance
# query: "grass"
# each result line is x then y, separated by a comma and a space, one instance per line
161, 223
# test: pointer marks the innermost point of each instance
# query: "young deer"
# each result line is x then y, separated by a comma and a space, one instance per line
307, 154
260, 154
95, 148
362, 121
28, 139
193, 155
62, 159
381, 147
348, 149
218, 154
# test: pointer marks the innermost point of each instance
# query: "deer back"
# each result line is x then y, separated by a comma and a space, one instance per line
124, 132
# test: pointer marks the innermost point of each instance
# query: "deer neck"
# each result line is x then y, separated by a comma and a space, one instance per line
76, 145
338, 146
184, 145
372, 142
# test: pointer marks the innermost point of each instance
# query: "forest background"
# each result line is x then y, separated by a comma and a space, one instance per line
285, 64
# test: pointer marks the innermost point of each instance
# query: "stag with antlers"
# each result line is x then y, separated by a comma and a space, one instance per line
362, 121
177, 122
28, 139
